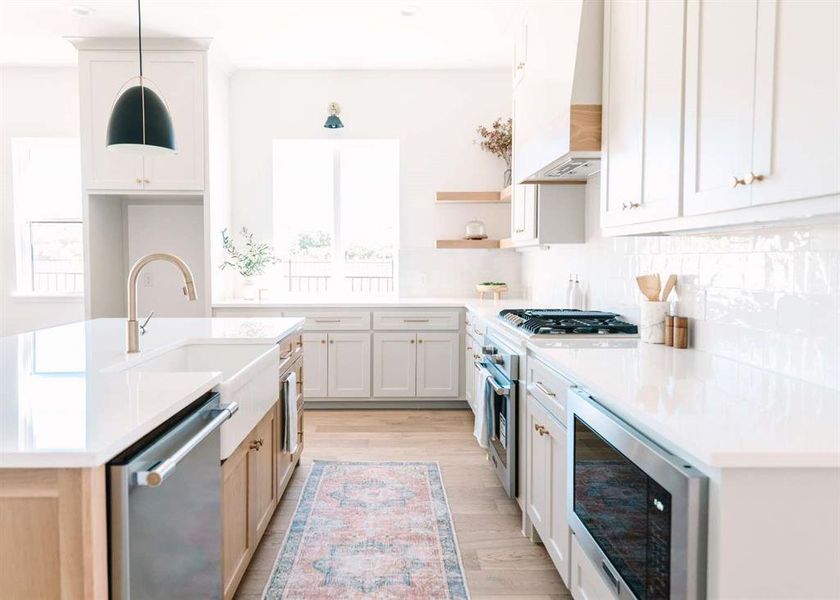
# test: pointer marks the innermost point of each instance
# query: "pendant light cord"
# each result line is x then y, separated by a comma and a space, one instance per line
140, 39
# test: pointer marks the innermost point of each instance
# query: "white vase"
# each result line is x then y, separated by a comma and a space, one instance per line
652, 322
249, 290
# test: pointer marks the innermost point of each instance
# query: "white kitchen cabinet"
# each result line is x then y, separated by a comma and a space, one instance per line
523, 206
179, 77
587, 582
348, 365
394, 364
642, 111
438, 361
315, 365
102, 74
761, 110
797, 90
551, 213
545, 498
719, 93
520, 49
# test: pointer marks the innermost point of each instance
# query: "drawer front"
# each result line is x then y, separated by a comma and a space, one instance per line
549, 387
416, 320
332, 320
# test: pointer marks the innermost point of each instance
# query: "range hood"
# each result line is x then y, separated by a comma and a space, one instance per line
560, 136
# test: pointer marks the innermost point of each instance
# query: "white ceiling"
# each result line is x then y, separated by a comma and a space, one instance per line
276, 34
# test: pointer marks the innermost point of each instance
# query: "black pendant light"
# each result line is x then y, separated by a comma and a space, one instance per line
140, 121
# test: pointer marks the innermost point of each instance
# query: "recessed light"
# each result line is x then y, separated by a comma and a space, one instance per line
409, 10
80, 10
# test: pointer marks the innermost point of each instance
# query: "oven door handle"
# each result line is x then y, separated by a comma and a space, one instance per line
502, 390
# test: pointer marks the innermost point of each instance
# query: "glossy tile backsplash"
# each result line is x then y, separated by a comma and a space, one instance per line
767, 297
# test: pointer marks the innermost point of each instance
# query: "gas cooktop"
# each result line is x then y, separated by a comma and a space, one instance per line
567, 321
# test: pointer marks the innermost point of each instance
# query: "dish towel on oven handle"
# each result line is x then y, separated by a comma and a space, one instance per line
480, 429
291, 441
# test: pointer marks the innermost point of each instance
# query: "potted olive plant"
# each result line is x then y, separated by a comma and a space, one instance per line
250, 261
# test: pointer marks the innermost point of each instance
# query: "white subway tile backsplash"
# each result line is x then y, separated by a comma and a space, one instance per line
768, 298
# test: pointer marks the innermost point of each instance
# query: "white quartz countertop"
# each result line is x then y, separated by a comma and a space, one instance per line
58, 408
705, 408
355, 302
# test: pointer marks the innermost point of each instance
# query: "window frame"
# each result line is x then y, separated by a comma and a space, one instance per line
24, 286
338, 264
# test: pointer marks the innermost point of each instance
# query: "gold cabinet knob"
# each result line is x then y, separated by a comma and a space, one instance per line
411, 341
635, 204
323, 341
541, 429
332, 341
735, 182
138, 180
419, 341
520, 66
752, 178
146, 181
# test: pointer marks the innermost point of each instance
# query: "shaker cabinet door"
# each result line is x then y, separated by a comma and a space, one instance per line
394, 364
315, 365
102, 76
719, 103
179, 76
349, 365
796, 153
438, 364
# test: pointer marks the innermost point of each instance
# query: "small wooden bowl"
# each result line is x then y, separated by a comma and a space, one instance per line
485, 288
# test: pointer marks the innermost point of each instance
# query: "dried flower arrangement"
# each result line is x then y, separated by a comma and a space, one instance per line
498, 141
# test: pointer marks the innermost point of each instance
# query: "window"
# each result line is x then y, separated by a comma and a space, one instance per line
336, 211
47, 192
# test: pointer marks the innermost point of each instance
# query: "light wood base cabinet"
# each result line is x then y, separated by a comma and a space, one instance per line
249, 497
53, 534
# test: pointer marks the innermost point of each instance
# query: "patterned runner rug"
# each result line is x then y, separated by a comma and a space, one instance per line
370, 530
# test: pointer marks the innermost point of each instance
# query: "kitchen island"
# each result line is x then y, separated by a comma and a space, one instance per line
71, 400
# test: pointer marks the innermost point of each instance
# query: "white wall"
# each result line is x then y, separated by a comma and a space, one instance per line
767, 297
434, 115
34, 102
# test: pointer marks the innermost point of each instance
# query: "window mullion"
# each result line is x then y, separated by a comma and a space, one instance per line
338, 246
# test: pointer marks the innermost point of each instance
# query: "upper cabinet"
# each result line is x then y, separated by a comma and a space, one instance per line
642, 114
179, 76
719, 113
762, 122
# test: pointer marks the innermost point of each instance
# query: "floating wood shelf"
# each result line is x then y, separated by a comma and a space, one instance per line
473, 197
467, 244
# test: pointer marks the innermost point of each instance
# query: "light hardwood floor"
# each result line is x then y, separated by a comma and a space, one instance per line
499, 561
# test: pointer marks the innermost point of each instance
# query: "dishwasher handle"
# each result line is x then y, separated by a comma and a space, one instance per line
154, 477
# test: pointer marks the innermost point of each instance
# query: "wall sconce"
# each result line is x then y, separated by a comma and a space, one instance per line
333, 122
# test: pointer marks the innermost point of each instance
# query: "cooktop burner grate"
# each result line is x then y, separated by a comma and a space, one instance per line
567, 321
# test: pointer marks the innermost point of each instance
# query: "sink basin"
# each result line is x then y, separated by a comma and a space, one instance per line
230, 359
249, 378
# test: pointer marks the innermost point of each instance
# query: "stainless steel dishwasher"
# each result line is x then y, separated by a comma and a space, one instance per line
165, 532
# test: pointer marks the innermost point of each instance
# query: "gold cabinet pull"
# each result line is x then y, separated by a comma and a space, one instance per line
541, 429
539, 385
735, 182
751, 178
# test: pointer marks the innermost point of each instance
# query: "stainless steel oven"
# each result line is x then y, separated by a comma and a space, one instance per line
501, 363
638, 512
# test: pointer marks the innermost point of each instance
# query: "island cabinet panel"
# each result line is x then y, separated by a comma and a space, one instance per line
264, 441
237, 532
53, 534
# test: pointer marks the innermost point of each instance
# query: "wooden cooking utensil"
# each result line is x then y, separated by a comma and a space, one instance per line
669, 285
650, 286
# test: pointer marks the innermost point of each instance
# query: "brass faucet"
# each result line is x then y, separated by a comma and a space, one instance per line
133, 332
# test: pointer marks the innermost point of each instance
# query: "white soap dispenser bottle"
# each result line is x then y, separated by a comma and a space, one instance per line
569, 287
576, 301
